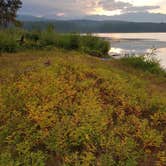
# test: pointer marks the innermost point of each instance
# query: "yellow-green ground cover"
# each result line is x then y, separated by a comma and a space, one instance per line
66, 108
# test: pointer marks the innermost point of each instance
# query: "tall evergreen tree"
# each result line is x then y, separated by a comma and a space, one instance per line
8, 11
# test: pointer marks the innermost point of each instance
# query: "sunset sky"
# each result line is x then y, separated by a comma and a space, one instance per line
76, 8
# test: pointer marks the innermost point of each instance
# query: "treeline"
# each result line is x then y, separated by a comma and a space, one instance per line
85, 26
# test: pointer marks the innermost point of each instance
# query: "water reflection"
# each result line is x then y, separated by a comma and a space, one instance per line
160, 54
137, 43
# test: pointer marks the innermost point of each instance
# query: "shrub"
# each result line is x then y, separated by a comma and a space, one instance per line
94, 46
48, 38
8, 42
141, 62
68, 41
78, 111
74, 41
33, 36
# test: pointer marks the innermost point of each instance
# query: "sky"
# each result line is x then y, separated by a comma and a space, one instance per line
76, 8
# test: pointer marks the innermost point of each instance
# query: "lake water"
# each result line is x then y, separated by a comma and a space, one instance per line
137, 43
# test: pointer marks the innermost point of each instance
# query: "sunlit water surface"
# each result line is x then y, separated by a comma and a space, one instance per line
137, 43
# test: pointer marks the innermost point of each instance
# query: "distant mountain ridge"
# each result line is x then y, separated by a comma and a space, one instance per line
129, 17
129, 22
132, 17
90, 26
30, 18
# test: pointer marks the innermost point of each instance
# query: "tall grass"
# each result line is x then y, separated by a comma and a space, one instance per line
10, 41
149, 64
94, 45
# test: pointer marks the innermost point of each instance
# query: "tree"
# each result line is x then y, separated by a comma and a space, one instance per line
8, 11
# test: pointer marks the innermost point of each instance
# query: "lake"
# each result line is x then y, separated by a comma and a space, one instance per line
137, 43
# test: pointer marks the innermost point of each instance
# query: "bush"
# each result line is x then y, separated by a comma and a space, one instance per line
33, 36
78, 111
74, 41
48, 38
94, 46
141, 62
9, 41
68, 41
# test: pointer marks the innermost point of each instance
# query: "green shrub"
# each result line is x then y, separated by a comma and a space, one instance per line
33, 36
48, 38
74, 41
79, 111
8, 42
68, 41
141, 62
94, 46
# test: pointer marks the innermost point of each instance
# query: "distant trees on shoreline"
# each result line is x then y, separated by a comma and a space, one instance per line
90, 26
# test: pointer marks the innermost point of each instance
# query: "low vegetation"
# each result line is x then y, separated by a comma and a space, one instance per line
147, 64
14, 40
66, 108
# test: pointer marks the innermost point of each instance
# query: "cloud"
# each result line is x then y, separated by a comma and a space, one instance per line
77, 8
110, 5
140, 8
53, 7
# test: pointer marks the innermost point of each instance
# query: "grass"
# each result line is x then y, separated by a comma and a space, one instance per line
15, 40
63, 107
147, 65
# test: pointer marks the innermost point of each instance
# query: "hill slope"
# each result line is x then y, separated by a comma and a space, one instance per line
129, 17
85, 26
132, 17
59, 107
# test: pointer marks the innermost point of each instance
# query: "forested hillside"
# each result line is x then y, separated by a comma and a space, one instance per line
85, 26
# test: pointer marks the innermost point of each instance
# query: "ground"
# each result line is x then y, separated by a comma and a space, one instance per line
67, 108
